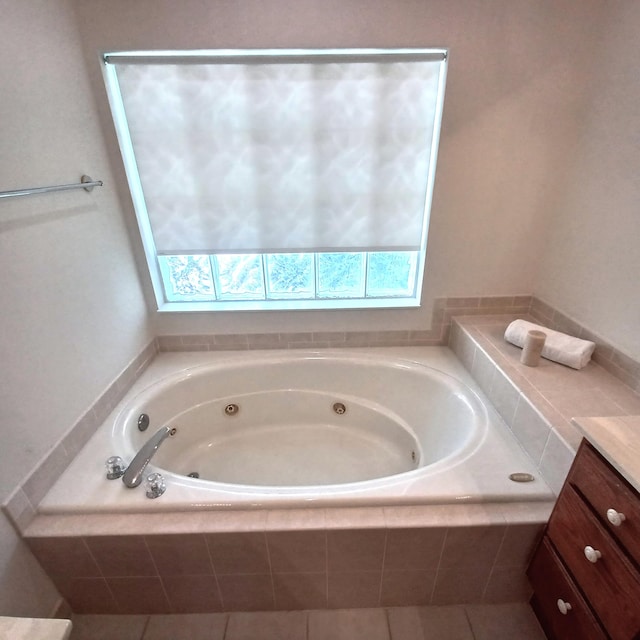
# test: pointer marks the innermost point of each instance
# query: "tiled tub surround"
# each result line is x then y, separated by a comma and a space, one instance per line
208, 560
553, 453
608, 357
296, 559
21, 505
443, 310
539, 402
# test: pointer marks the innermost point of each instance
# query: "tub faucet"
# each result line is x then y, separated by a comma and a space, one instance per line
133, 475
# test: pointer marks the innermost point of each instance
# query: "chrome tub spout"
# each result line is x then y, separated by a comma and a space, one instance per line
135, 471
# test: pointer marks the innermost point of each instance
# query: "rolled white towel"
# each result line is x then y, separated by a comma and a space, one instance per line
559, 347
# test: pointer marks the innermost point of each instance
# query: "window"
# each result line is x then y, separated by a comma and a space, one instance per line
280, 179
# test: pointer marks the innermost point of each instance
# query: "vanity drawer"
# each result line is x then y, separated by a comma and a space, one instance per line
611, 583
604, 489
555, 593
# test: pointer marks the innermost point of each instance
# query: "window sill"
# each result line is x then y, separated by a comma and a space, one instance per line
287, 305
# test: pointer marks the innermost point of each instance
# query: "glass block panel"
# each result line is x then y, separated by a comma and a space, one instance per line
290, 275
239, 276
187, 278
340, 275
391, 273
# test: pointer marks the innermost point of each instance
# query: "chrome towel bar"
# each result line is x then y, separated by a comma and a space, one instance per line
87, 183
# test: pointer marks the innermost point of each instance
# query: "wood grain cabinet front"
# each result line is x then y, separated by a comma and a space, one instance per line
615, 503
592, 544
557, 602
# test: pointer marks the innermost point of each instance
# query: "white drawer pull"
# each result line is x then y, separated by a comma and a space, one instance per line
615, 517
563, 607
591, 554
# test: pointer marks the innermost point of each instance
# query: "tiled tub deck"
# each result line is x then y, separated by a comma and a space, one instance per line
538, 403
274, 559
337, 558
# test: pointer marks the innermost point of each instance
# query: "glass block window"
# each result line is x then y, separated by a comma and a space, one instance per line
273, 176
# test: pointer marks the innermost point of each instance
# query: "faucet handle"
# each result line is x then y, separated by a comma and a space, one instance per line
115, 467
155, 485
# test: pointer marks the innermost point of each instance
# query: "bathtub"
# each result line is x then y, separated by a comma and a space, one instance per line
291, 429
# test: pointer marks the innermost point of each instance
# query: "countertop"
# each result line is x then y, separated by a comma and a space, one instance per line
618, 440
34, 629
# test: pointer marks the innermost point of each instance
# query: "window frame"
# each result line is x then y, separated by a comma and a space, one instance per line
284, 55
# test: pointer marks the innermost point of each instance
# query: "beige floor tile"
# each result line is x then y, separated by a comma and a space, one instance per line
504, 622
457, 586
99, 627
429, 623
404, 623
479, 622
268, 625
348, 624
193, 626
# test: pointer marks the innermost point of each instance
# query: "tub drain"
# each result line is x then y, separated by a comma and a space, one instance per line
193, 474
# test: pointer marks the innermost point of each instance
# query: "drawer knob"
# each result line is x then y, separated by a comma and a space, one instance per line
615, 517
591, 554
563, 607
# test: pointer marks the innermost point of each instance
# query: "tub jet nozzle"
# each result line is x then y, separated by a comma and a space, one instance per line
143, 422
231, 409
339, 408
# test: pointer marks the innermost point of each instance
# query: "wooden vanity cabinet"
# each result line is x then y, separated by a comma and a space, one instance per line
585, 572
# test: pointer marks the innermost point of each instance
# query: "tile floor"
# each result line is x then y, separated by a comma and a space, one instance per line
468, 622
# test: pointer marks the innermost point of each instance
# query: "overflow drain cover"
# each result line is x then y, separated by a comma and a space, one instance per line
521, 477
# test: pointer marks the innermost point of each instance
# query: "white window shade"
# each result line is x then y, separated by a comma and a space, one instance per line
283, 156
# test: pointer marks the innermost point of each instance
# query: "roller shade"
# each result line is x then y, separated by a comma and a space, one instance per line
280, 154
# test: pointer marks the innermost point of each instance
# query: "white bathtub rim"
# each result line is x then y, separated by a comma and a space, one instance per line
130, 410
83, 489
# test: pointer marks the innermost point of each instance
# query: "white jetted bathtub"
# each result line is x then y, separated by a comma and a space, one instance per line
291, 429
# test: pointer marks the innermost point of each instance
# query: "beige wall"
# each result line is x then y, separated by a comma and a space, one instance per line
516, 90
535, 189
72, 309
591, 264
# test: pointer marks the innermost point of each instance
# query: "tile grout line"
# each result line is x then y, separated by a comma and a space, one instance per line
226, 624
438, 566
109, 589
382, 566
155, 566
470, 625
273, 587
386, 616
495, 561
145, 627
215, 573
326, 563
